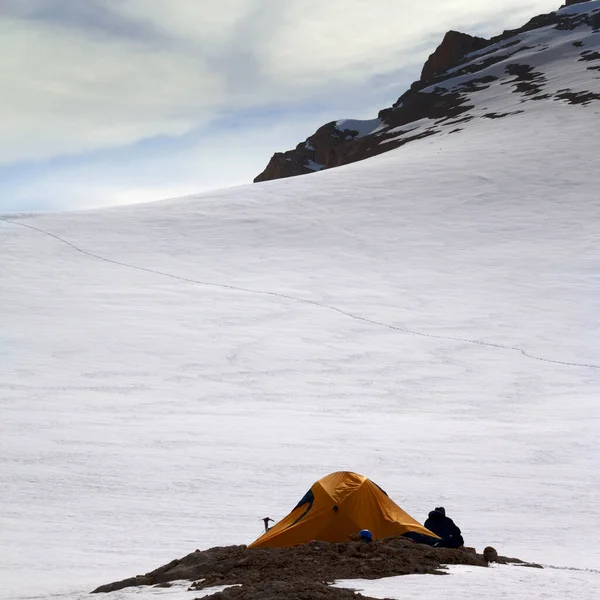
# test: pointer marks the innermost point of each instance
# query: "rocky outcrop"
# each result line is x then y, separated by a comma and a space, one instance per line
328, 147
453, 47
431, 103
331, 146
571, 2
301, 566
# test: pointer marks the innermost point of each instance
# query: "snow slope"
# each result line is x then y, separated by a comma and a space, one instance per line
172, 372
361, 127
478, 584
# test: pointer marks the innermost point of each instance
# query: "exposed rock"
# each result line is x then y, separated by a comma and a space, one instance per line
571, 2
317, 562
493, 115
584, 98
432, 97
490, 554
331, 147
527, 81
328, 147
453, 47
283, 164
588, 55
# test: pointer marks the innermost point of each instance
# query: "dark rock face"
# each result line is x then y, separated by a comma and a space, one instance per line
331, 147
327, 147
453, 47
284, 164
571, 2
584, 98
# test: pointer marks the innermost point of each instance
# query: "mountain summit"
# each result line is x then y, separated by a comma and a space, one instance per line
554, 58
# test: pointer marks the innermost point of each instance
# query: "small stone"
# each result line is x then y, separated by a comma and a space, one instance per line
490, 555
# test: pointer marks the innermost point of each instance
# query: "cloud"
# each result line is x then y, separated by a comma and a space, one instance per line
228, 151
108, 75
92, 15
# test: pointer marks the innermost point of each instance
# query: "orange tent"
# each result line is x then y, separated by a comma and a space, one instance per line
338, 506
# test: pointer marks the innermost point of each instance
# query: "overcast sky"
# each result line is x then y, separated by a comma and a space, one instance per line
116, 101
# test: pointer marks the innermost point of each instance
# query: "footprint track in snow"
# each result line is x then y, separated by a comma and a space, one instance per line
306, 301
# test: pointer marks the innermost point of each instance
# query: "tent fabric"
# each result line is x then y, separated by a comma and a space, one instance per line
338, 506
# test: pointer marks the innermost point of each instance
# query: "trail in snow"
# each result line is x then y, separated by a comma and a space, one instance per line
304, 301
557, 568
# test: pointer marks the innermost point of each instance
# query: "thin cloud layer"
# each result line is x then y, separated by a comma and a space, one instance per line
82, 77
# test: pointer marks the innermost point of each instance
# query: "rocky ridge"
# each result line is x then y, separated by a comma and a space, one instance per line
443, 98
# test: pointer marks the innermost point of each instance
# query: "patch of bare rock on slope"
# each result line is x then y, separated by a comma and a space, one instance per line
303, 572
453, 74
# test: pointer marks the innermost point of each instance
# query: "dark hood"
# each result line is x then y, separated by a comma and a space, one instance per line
435, 514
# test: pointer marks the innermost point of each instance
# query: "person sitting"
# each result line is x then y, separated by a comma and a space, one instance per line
444, 527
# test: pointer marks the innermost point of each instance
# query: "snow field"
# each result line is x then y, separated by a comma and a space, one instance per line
172, 372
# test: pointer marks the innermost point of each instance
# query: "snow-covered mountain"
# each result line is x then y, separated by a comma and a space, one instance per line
554, 58
170, 373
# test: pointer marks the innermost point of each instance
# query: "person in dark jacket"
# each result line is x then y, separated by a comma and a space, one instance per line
444, 526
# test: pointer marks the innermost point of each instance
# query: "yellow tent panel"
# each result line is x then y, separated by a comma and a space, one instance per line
339, 506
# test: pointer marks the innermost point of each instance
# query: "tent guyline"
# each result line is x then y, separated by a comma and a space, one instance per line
305, 301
